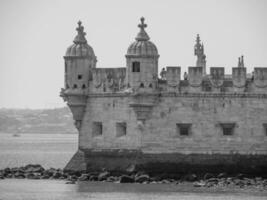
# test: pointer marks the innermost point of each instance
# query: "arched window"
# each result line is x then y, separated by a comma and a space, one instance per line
136, 67
142, 85
74, 86
83, 86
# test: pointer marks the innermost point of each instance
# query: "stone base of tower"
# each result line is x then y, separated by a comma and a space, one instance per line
77, 162
123, 160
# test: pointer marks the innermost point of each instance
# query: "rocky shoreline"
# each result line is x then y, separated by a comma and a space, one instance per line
198, 180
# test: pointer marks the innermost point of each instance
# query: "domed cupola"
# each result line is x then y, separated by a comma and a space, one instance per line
80, 48
142, 46
142, 62
80, 59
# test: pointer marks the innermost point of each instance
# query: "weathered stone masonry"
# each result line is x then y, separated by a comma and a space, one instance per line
129, 116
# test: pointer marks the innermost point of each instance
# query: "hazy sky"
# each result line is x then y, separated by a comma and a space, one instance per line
35, 35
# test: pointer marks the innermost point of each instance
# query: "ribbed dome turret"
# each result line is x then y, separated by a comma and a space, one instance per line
80, 48
142, 46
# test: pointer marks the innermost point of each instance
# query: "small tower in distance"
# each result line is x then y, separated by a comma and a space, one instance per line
201, 57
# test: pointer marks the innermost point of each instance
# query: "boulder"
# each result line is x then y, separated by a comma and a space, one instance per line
190, 177
33, 175
72, 178
222, 175
112, 179
34, 168
83, 177
126, 179
208, 176
19, 175
103, 176
57, 175
212, 180
93, 178
199, 184
142, 178
45, 176
131, 168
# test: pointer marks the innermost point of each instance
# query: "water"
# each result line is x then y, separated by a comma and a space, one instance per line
49, 150
56, 150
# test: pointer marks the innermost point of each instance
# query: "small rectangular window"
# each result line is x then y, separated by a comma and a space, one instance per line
183, 129
136, 67
97, 129
80, 76
121, 129
228, 128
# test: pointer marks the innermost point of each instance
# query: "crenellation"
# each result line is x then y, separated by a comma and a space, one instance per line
195, 77
239, 78
173, 76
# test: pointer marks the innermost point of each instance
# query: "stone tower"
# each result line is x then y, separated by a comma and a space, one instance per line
142, 62
79, 59
201, 57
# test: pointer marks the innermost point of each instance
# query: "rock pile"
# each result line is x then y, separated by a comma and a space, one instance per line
204, 180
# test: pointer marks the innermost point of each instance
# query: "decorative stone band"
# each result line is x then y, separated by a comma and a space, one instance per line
141, 56
188, 95
80, 57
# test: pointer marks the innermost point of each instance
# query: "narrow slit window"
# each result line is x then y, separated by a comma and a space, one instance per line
97, 129
183, 129
83, 87
228, 128
142, 85
80, 77
136, 67
75, 86
121, 129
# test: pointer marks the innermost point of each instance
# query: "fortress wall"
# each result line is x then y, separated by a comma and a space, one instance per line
206, 135
109, 111
159, 132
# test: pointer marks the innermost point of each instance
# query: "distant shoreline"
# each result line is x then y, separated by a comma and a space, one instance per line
22, 133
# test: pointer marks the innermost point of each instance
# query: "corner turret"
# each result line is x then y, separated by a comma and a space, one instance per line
79, 59
142, 62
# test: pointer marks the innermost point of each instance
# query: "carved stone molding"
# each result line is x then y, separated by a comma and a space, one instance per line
142, 111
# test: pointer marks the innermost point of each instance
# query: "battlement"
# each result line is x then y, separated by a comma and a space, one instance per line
216, 80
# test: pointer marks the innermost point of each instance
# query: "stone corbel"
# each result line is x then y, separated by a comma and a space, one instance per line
78, 124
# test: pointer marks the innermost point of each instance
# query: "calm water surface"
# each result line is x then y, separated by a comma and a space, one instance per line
49, 150
56, 150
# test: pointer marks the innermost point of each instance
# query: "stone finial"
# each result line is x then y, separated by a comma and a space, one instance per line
142, 35
80, 37
198, 39
241, 61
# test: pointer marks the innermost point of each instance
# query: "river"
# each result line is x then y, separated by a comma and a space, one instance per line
55, 150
